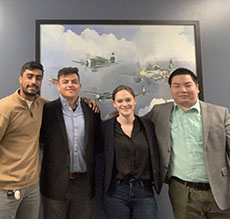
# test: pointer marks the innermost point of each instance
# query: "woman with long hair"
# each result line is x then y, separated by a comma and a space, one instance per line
131, 159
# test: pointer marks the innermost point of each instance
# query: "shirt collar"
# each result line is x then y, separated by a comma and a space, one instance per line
64, 102
196, 106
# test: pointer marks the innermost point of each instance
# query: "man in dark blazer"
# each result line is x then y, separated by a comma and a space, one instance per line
194, 143
70, 137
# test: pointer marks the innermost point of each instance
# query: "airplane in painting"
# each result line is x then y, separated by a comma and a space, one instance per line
53, 81
154, 72
107, 96
98, 62
102, 97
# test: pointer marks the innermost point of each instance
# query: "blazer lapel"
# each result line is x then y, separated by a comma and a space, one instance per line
151, 145
164, 122
86, 113
109, 142
148, 135
206, 121
60, 119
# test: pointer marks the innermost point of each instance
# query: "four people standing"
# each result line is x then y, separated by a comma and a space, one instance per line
192, 136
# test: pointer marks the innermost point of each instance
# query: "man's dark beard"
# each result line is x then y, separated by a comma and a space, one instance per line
30, 94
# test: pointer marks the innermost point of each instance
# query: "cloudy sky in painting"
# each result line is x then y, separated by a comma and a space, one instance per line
60, 44
135, 47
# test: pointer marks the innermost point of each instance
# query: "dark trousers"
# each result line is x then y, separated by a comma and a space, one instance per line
125, 201
190, 203
76, 204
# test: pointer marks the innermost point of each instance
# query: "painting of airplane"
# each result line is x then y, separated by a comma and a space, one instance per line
97, 62
107, 96
154, 72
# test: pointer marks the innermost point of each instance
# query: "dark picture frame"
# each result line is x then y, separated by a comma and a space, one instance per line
138, 53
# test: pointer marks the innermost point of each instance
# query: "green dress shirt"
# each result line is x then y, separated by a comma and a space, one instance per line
187, 158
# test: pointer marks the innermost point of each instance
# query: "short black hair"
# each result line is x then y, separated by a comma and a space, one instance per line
182, 71
31, 66
68, 71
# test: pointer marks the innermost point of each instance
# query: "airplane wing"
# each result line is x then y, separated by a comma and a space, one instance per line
79, 62
99, 58
90, 92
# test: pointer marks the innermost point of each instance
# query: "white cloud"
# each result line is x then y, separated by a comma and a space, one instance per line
61, 46
158, 43
164, 43
155, 101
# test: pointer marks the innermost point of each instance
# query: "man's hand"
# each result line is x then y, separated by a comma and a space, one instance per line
92, 104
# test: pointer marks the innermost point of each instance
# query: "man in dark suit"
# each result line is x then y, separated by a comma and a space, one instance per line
70, 136
194, 143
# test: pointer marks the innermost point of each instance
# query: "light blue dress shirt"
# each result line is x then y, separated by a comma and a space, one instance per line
75, 129
187, 157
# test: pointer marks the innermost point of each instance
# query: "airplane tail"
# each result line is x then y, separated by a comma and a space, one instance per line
143, 91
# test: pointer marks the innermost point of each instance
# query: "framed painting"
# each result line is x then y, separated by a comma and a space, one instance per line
140, 54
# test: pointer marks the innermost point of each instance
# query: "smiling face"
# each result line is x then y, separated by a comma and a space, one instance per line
184, 91
69, 86
124, 102
30, 83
